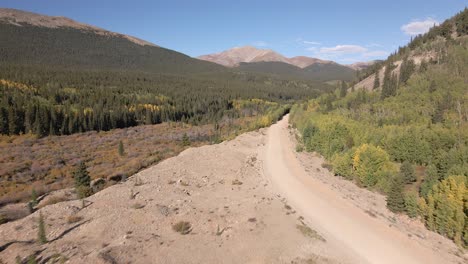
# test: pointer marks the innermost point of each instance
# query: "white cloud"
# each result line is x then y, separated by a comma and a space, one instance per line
419, 26
260, 43
343, 49
348, 53
311, 42
373, 45
307, 42
375, 53
350, 60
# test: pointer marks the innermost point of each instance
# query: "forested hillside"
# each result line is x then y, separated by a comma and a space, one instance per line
72, 48
54, 102
317, 71
408, 139
63, 80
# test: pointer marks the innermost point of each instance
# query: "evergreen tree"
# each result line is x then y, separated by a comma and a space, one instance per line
82, 180
4, 121
395, 198
411, 204
38, 124
393, 85
41, 232
148, 117
376, 81
431, 178
34, 201
12, 121
406, 70
387, 82
407, 172
343, 89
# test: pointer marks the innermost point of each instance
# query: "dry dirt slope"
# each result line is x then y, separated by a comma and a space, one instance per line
220, 189
231, 193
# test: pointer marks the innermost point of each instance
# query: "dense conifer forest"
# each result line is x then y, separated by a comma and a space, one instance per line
55, 102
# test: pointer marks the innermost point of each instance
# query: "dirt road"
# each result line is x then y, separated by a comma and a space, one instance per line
365, 239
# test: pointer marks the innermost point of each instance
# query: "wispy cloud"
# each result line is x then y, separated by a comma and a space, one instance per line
375, 53
417, 27
311, 42
374, 45
347, 53
307, 42
343, 49
260, 43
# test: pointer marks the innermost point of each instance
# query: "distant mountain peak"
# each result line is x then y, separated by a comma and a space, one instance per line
304, 61
245, 54
233, 57
361, 65
19, 18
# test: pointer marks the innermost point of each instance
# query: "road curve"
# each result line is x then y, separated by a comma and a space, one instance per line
362, 238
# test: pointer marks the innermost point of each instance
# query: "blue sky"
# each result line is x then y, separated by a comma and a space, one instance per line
345, 31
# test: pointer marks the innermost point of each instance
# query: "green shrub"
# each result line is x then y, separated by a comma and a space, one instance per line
185, 140
182, 227
309, 131
343, 165
83, 191
3, 219
333, 138
408, 145
444, 208
299, 147
32, 259
371, 164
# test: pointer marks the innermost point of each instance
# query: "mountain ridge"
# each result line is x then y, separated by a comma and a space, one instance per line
19, 17
59, 42
36, 39
246, 54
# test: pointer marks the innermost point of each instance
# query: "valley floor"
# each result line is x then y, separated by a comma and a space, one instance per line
248, 200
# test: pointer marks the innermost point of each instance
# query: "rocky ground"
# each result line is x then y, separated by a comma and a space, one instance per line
234, 216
